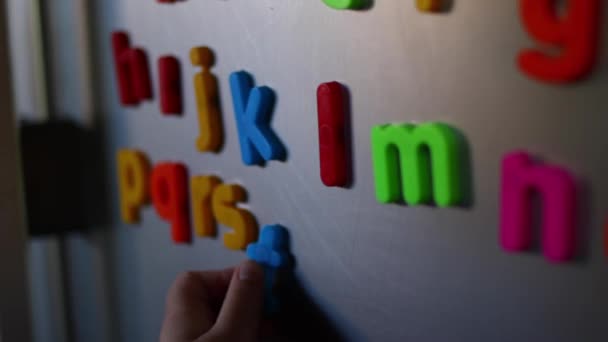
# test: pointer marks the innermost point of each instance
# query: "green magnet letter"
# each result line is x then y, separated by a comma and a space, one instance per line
344, 4
402, 156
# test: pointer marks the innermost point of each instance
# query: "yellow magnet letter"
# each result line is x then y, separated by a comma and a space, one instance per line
133, 172
206, 94
245, 228
429, 5
201, 189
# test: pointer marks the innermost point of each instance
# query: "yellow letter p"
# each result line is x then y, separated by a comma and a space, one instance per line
133, 172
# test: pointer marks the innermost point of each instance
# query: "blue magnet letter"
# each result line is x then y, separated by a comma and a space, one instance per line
272, 252
253, 108
272, 249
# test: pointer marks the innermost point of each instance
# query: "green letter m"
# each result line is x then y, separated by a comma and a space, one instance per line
400, 148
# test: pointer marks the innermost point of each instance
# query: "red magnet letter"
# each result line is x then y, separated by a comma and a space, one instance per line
575, 34
121, 45
140, 74
132, 71
170, 198
332, 106
170, 85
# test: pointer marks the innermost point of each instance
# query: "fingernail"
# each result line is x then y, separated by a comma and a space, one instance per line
249, 271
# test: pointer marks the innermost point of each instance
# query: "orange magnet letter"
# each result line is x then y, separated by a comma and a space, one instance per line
245, 228
169, 187
201, 189
133, 170
206, 94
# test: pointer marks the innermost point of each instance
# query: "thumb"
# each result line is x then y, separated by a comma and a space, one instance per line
241, 312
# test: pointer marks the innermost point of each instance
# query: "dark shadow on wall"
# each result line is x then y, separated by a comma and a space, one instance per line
466, 170
584, 223
292, 314
300, 318
367, 5
447, 6
349, 138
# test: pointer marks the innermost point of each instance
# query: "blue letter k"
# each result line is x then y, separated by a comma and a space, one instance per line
253, 109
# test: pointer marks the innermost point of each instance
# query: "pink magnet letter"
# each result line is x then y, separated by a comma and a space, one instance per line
557, 190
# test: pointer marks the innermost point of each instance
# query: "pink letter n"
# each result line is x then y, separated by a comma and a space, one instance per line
557, 190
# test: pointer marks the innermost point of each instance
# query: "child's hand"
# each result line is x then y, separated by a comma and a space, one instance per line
215, 305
